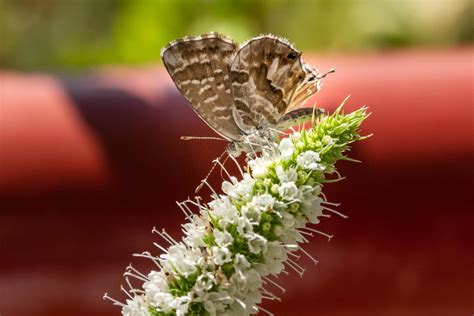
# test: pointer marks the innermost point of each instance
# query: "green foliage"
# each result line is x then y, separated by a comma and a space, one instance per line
71, 34
181, 286
154, 312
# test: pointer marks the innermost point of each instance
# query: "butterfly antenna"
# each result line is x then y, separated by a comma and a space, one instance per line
202, 138
209, 173
330, 71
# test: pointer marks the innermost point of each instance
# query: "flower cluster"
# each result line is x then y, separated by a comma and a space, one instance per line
234, 245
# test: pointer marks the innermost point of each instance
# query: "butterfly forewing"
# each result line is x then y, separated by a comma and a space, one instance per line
265, 73
199, 66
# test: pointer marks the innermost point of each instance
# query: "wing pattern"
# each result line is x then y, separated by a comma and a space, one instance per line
237, 91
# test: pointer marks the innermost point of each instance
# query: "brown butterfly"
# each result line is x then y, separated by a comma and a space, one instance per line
243, 92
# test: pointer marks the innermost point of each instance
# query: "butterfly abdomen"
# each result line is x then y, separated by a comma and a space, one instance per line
297, 117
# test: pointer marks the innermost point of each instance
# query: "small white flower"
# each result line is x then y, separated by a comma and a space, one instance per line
165, 301
313, 209
243, 225
289, 175
216, 302
248, 280
156, 284
195, 231
259, 166
309, 160
239, 189
251, 212
263, 202
204, 283
287, 220
256, 243
136, 307
275, 256
221, 255
181, 305
289, 191
224, 210
240, 262
223, 239
181, 259
286, 148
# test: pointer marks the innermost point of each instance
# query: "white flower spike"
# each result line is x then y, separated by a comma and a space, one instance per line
233, 244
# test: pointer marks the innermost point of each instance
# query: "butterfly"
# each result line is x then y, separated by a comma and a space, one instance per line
243, 92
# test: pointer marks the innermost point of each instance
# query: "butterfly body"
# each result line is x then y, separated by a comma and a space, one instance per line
244, 92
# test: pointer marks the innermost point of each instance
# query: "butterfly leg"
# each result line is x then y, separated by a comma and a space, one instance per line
216, 161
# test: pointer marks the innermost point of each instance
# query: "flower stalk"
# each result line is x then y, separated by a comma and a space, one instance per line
235, 245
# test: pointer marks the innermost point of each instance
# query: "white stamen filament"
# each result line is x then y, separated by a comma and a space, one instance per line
335, 212
274, 283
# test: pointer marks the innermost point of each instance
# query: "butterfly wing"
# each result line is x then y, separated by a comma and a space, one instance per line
199, 67
307, 88
265, 73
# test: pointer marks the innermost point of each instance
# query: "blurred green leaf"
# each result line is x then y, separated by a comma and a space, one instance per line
73, 34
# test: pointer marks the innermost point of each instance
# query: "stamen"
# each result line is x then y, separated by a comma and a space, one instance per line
186, 214
323, 196
128, 273
114, 301
125, 291
330, 203
130, 267
148, 255
127, 280
294, 255
270, 295
274, 283
335, 212
201, 208
319, 232
299, 269
266, 311
307, 254
154, 230
159, 247
304, 233
302, 237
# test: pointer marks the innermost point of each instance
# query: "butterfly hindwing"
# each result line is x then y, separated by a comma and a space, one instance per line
199, 66
265, 73
308, 87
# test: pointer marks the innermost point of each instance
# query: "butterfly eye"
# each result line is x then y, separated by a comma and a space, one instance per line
292, 55
311, 79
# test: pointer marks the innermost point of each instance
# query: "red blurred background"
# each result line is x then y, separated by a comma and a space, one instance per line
90, 156
90, 164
